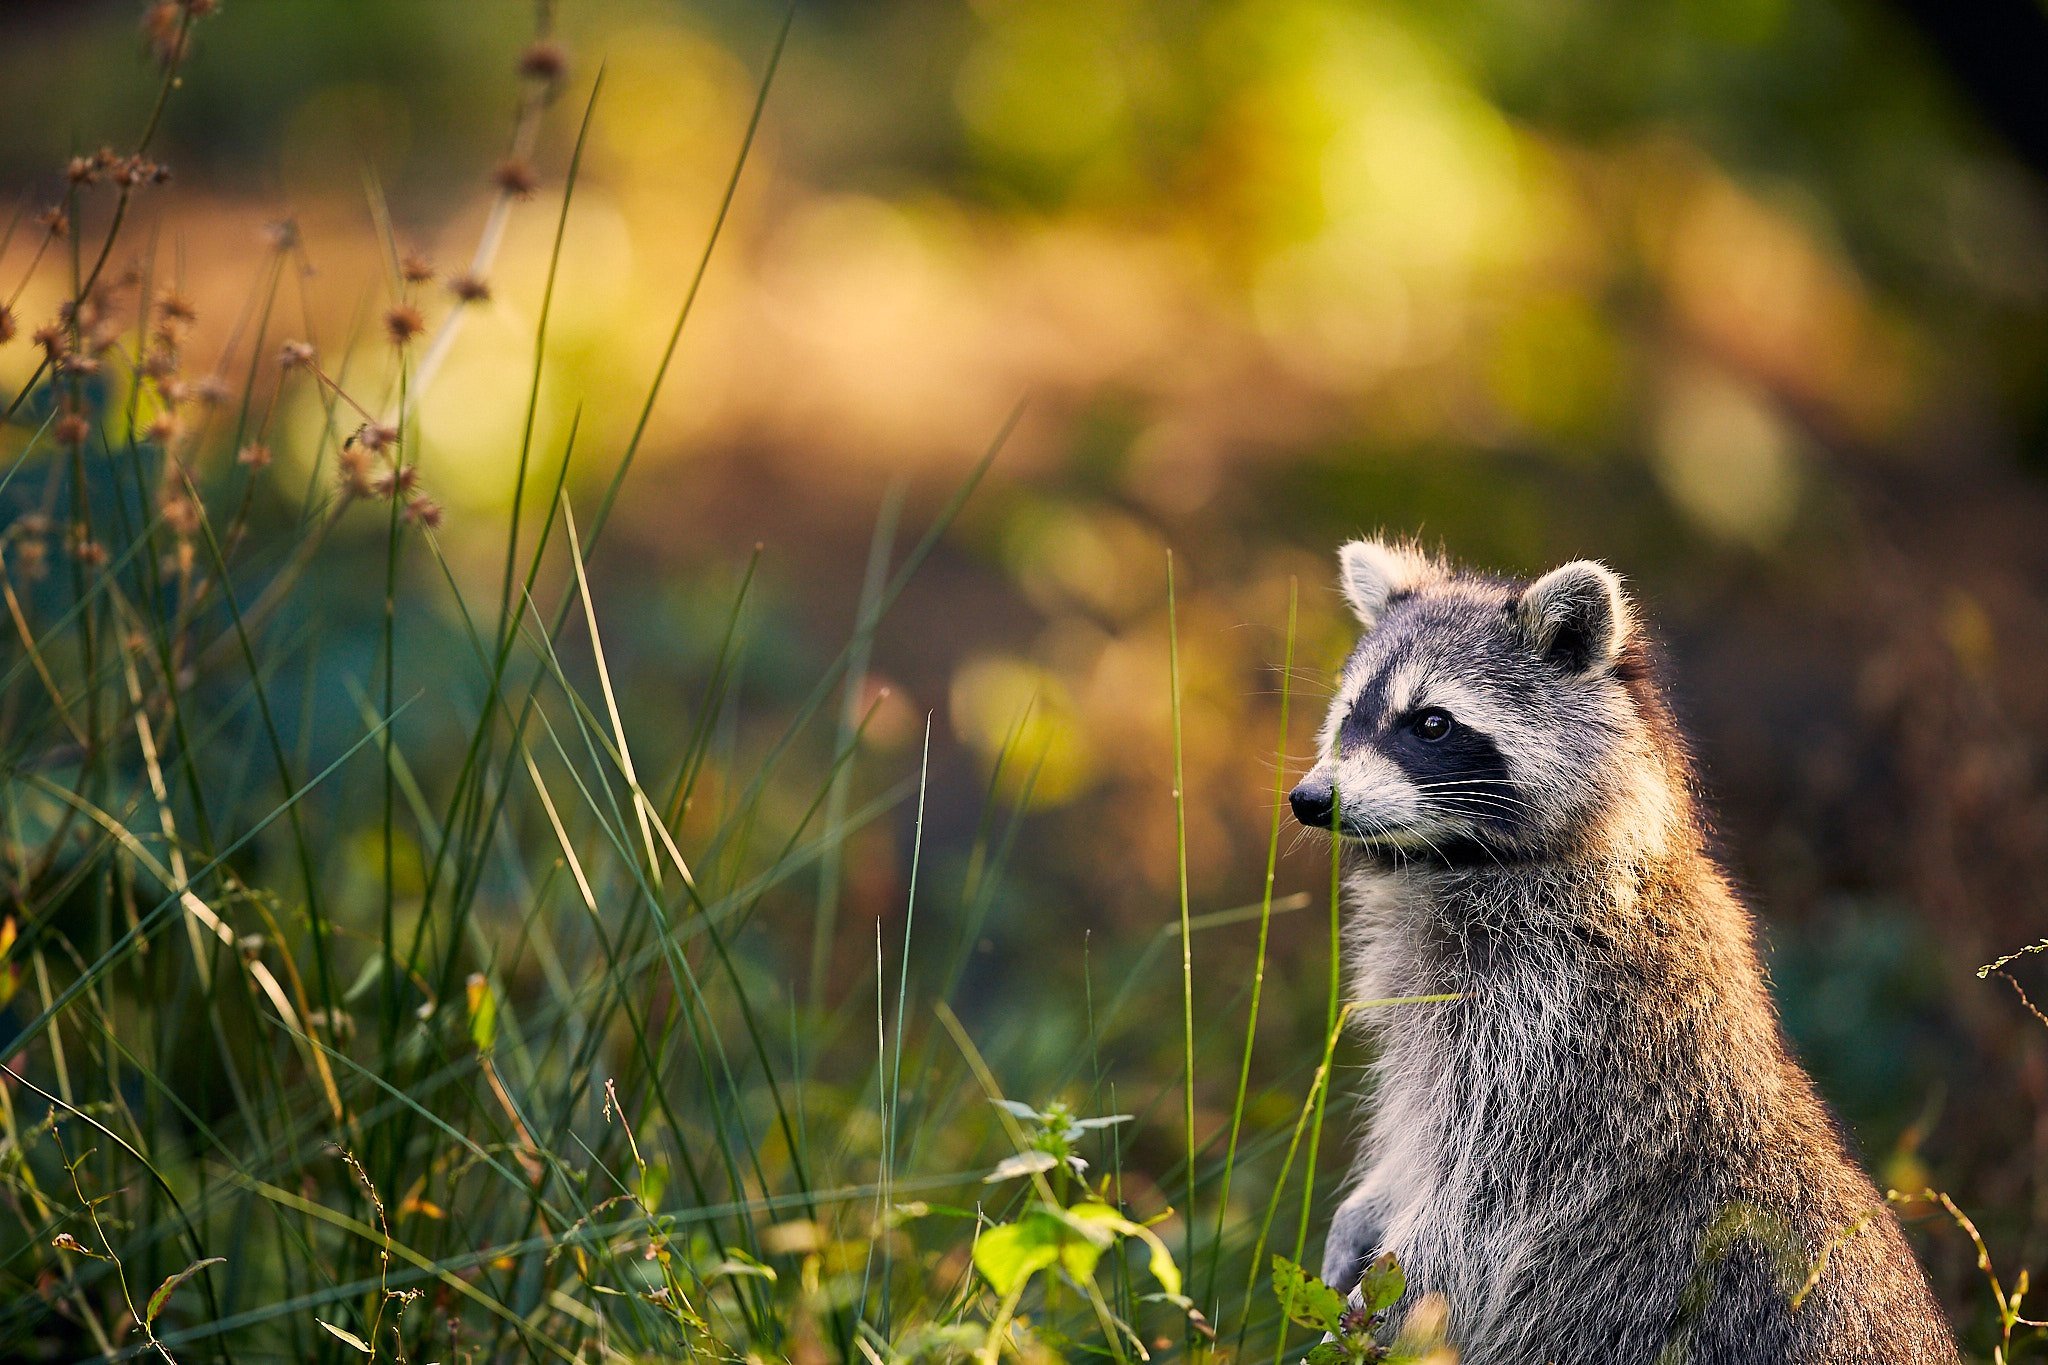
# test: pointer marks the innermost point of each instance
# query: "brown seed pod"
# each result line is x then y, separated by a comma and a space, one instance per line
403, 322
515, 176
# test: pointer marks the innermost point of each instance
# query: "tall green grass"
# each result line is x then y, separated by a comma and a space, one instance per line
410, 1000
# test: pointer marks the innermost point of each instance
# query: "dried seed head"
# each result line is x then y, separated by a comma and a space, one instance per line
469, 288
254, 455
212, 390
89, 553
82, 365
416, 268
293, 354
423, 511
163, 27
515, 176
8, 326
167, 29
544, 61
352, 466
50, 336
398, 480
31, 559
72, 429
375, 436
281, 233
159, 363
82, 170
181, 512
131, 171
162, 428
403, 322
171, 306
54, 221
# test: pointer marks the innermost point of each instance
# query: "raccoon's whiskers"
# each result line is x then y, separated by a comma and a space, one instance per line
1495, 800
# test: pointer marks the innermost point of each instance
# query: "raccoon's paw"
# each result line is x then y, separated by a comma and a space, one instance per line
1353, 1241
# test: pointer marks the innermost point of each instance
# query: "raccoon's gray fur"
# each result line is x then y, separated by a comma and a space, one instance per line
1603, 1151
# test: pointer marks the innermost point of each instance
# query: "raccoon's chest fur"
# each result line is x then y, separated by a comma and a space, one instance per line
1602, 1152
1481, 1114
1608, 1084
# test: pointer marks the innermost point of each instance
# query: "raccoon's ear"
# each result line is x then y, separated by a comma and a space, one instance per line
1576, 616
1373, 574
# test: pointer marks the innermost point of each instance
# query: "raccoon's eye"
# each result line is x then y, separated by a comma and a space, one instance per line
1432, 725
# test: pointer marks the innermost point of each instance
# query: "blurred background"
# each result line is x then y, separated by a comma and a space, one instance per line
1747, 298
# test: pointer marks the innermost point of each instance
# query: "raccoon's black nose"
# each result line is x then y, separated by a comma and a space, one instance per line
1312, 805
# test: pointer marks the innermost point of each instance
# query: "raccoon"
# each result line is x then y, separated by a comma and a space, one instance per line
1602, 1152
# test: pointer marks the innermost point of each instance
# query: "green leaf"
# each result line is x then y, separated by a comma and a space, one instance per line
1073, 1239
738, 1263
1079, 1257
1306, 1300
653, 1183
1096, 1221
1160, 1260
366, 981
1161, 1263
483, 1012
170, 1286
1010, 1253
1327, 1353
1383, 1284
349, 1337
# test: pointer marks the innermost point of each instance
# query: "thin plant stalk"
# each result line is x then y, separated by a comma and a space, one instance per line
1187, 957
1251, 1025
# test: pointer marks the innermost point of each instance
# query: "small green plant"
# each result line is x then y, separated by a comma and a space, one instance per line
1350, 1329
1060, 1239
1050, 1141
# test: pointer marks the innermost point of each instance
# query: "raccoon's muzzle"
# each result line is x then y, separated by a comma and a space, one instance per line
1313, 805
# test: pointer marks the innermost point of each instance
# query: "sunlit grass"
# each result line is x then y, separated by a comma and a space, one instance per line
419, 1005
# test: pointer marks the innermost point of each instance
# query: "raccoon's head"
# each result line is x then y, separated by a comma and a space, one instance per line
1481, 720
